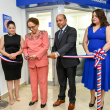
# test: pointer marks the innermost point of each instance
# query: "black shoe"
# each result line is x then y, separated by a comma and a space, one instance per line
32, 103
101, 108
91, 105
43, 105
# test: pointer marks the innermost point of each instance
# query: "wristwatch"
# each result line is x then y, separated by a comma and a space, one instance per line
56, 55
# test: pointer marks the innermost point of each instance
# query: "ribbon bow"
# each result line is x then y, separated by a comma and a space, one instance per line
99, 55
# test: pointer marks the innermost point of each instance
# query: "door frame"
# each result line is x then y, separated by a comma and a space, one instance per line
52, 36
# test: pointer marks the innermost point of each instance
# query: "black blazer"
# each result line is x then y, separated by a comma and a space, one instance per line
66, 46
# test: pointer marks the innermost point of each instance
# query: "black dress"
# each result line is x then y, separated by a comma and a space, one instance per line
12, 70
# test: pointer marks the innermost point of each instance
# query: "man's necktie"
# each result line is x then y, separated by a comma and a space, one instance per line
60, 35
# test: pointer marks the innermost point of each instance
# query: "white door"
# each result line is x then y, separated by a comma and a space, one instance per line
79, 20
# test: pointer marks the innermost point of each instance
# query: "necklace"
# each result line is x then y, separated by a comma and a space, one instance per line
10, 35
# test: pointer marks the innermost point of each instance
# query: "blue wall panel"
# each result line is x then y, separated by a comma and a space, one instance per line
28, 2
97, 3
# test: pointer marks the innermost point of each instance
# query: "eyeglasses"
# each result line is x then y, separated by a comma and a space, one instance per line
32, 27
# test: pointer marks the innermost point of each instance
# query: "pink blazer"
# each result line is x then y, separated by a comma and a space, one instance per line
37, 45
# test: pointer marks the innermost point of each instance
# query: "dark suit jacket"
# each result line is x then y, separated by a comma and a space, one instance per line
66, 46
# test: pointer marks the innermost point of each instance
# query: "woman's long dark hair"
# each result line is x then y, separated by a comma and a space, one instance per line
101, 15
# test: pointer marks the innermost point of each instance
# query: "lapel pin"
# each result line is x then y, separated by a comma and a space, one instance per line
65, 31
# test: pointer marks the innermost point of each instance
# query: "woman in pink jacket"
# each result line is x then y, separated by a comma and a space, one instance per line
35, 51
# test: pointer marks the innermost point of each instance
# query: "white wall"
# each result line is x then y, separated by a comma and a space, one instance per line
43, 21
108, 16
79, 21
8, 7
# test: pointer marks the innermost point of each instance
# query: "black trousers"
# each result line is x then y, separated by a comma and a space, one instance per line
63, 74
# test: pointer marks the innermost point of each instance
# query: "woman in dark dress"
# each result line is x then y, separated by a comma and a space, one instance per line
12, 43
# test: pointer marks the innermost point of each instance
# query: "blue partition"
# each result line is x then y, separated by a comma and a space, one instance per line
34, 3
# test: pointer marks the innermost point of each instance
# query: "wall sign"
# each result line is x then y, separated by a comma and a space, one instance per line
6, 18
49, 24
100, 1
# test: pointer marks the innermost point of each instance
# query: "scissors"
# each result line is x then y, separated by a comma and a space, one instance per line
27, 55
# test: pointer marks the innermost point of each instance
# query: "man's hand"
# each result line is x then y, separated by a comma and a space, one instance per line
52, 55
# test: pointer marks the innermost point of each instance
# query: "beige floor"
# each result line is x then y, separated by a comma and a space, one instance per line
82, 100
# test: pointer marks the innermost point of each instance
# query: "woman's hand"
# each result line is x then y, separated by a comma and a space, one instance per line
33, 57
26, 57
12, 56
9, 56
90, 53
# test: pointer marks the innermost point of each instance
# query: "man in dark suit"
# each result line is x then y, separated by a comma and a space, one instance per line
65, 44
